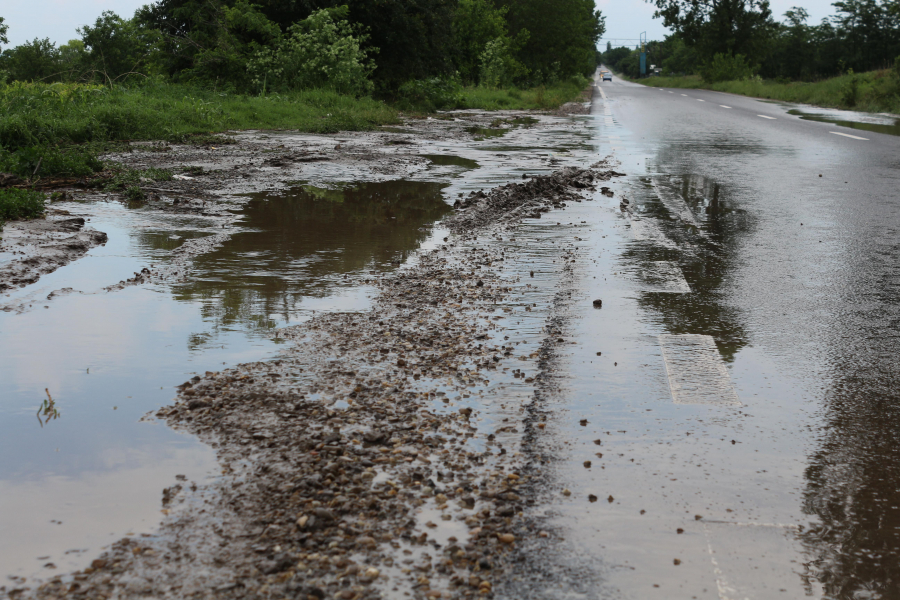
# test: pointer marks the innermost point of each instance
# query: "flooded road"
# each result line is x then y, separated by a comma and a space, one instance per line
766, 469
691, 369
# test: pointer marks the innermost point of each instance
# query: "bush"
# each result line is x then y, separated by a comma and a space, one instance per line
318, 52
850, 91
431, 94
725, 67
20, 204
498, 67
34, 161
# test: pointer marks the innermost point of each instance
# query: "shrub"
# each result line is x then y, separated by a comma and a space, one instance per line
498, 67
32, 161
20, 204
431, 94
850, 90
318, 52
727, 67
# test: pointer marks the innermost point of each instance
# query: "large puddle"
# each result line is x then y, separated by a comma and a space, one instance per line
83, 470
876, 123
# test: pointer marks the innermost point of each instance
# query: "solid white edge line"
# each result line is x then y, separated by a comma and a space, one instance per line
855, 137
723, 106
765, 117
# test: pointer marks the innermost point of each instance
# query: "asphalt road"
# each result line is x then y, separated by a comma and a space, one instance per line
745, 440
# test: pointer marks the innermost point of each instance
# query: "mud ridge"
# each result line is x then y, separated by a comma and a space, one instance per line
42, 246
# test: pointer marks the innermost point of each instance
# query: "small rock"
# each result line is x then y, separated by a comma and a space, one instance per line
598, 303
506, 538
587, 464
592, 498
566, 492
676, 562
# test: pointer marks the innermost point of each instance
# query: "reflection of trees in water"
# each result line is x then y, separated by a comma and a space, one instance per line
705, 310
302, 243
853, 478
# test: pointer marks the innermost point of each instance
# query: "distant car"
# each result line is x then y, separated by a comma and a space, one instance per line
607, 76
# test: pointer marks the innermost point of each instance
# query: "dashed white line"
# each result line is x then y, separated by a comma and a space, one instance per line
765, 117
855, 137
700, 100
723, 106
685, 95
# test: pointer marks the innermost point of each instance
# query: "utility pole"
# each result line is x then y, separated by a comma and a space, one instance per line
644, 54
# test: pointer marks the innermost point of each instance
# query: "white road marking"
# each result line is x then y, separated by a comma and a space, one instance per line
664, 276
671, 92
674, 202
602, 93
646, 230
700, 100
723, 106
685, 95
855, 137
765, 117
697, 374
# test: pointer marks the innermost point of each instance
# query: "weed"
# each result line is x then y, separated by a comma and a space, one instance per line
130, 180
21, 204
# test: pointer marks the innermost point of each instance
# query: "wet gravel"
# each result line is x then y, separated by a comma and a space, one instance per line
333, 454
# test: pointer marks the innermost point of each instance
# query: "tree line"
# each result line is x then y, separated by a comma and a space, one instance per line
737, 39
352, 46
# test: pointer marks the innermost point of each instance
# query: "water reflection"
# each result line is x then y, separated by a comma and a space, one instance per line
706, 267
863, 121
304, 243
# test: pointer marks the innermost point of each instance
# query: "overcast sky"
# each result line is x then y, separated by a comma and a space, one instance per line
58, 19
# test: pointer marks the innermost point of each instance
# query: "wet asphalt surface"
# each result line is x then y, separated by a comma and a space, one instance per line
786, 235
722, 427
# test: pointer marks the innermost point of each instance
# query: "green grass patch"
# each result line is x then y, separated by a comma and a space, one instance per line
44, 121
18, 204
873, 91
540, 98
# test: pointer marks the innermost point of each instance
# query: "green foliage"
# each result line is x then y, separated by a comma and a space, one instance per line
724, 67
563, 37
318, 52
3, 29
20, 204
36, 161
850, 90
37, 60
727, 27
65, 114
431, 94
476, 23
498, 65
131, 179
877, 91
114, 47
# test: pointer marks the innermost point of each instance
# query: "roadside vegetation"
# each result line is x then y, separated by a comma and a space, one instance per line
849, 60
875, 91
183, 71
16, 204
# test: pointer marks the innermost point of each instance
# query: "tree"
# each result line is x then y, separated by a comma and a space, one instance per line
729, 27
3, 29
475, 24
115, 46
37, 60
563, 36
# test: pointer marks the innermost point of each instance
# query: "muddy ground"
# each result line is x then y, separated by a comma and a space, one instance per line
353, 466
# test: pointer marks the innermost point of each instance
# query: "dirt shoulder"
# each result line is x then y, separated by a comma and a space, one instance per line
334, 454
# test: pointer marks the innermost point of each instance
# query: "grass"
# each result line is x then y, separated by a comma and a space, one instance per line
20, 204
540, 98
873, 91
58, 130
44, 121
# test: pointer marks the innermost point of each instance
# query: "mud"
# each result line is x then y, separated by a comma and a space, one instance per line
39, 247
353, 466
